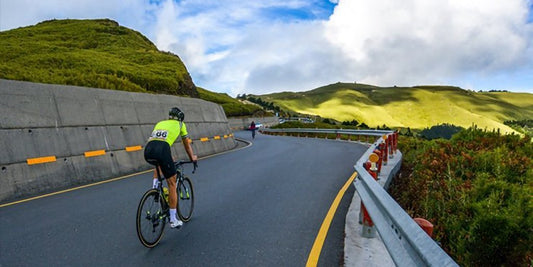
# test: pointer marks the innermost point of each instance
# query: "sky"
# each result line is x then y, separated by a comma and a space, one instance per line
266, 46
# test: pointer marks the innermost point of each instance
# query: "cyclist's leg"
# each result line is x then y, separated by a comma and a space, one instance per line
169, 171
172, 196
152, 155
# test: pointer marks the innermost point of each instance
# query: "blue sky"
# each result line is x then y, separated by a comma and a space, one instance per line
266, 46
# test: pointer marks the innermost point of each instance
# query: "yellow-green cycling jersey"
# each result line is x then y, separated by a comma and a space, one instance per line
168, 131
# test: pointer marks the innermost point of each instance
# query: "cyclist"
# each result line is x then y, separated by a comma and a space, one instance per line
253, 128
158, 149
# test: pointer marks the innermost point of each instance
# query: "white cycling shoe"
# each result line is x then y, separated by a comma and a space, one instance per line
176, 224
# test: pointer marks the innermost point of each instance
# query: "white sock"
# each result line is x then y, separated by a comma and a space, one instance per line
173, 215
155, 183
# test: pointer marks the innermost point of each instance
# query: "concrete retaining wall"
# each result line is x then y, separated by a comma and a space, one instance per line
244, 123
55, 137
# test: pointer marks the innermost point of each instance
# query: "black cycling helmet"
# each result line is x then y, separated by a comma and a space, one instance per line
176, 114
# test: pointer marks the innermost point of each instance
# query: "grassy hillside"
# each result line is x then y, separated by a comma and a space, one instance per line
415, 107
92, 53
232, 107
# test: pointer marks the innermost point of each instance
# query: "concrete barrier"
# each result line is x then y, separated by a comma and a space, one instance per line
55, 137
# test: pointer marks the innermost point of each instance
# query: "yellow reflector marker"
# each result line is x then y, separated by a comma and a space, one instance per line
94, 153
204, 139
133, 148
216, 137
373, 157
33, 161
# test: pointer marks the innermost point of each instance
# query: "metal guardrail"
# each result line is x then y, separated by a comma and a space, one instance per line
329, 131
407, 243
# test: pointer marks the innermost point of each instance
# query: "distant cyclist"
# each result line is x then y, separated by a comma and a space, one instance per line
253, 128
158, 149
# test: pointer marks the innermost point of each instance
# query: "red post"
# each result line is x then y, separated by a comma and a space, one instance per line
391, 144
368, 226
385, 149
378, 152
426, 225
397, 134
367, 221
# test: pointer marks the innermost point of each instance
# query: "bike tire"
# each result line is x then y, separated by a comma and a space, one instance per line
185, 193
151, 218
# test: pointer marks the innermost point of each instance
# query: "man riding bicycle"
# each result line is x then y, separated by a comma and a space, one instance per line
158, 150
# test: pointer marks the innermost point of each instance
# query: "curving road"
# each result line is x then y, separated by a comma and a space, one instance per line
258, 206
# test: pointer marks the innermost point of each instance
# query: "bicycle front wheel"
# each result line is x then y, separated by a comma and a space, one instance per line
151, 218
185, 199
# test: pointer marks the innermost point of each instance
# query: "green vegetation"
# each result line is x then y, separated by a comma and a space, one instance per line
477, 190
415, 107
523, 126
92, 53
445, 131
232, 107
269, 106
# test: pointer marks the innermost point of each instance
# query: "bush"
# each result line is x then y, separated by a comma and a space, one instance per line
476, 189
445, 131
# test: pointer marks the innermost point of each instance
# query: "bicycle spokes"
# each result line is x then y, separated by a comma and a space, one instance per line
151, 218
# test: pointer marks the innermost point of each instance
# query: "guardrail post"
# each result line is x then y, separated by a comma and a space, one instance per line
396, 135
369, 231
389, 147
366, 165
385, 149
379, 162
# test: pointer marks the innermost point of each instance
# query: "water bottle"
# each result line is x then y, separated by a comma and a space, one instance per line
165, 193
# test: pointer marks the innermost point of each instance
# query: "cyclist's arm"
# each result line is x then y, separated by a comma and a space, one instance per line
188, 148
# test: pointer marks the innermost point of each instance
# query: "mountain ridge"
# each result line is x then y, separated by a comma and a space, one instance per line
415, 107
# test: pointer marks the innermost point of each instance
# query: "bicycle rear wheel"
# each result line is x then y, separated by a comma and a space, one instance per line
151, 218
185, 199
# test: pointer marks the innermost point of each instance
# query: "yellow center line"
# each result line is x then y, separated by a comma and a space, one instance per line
312, 260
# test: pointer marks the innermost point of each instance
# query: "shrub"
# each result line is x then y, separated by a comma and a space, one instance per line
476, 189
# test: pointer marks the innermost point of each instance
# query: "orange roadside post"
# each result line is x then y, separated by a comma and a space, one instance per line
425, 225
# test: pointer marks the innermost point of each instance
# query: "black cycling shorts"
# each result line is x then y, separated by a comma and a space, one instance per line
159, 151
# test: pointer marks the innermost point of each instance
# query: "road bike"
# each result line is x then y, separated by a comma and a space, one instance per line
153, 212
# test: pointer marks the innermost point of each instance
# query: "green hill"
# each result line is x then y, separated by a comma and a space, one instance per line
415, 107
91, 53
232, 107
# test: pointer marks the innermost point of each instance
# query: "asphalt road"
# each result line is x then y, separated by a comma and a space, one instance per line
259, 206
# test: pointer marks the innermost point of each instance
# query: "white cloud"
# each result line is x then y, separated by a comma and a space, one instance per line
384, 42
417, 41
263, 46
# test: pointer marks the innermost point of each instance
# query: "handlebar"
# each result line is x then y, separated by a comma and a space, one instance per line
181, 162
